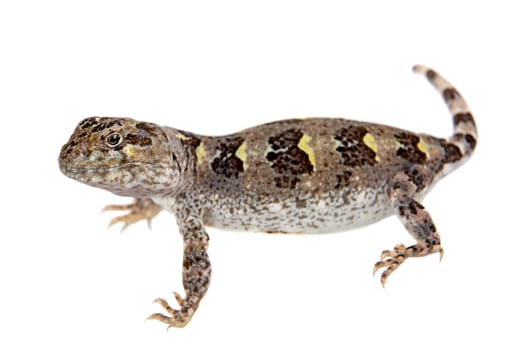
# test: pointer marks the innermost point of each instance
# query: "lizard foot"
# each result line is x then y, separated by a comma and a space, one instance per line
176, 318
140, 209
391, 260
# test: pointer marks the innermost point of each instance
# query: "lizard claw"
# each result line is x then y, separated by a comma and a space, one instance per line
391, 260
140, 209
176, 318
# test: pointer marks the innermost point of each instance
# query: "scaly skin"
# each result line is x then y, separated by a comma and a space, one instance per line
300, 175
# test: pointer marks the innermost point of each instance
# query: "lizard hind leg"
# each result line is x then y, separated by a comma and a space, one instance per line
416, 220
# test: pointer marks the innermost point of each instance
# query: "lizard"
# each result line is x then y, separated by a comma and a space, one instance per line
304, 175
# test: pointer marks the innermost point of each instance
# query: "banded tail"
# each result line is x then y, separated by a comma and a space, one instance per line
465, 133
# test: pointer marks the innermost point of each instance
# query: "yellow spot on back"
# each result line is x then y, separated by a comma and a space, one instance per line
370, 142
398, 144
422, 146
181, 137
200, 152
305, 147
241, 154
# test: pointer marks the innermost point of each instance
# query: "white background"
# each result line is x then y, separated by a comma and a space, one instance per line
215, 67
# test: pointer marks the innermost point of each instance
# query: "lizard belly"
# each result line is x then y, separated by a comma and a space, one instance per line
321, 214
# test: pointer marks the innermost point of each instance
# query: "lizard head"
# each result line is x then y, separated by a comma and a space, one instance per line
121, 155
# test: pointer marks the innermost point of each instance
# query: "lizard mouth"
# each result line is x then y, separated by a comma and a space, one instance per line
68, 168
99, 175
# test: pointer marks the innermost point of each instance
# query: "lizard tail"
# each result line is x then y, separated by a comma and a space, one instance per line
465, 133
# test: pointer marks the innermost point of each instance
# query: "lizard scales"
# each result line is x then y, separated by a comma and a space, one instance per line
308, 175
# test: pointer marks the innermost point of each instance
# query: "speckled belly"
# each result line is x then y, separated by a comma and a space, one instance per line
324, 213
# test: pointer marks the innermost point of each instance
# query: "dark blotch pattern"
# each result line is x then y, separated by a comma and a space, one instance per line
134, 139
450, 94
150, 129
431, 75
343, 179
226, 163
408, 149
463, 118
287, 160
192, 142
471, 141
409, 208
86, 123
143, 136
354, 152
451, 152
105, 125
189, 140
417, 178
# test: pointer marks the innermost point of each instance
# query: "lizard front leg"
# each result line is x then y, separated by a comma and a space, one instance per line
196, 275
414, 217
140, 209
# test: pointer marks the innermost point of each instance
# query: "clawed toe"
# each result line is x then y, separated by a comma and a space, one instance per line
400, 248
175, 318
390, 260
140, 209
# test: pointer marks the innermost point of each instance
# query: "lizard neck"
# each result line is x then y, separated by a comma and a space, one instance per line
184, 149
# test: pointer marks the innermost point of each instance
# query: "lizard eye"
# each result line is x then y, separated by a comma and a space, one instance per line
113, 140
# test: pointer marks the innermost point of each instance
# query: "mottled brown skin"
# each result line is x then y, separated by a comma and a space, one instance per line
299, 175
